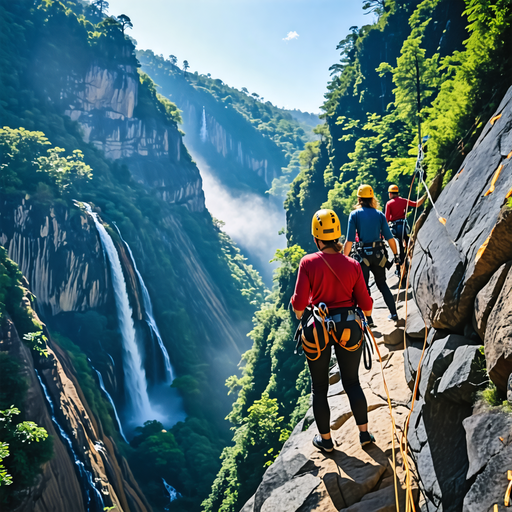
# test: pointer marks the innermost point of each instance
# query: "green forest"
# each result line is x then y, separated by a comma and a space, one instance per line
444, 64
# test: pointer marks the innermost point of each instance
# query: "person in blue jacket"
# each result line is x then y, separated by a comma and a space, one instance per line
372, 228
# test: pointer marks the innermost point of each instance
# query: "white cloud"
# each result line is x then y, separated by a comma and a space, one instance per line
290, 36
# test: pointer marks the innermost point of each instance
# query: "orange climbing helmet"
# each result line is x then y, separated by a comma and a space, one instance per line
325, 225
393, 189
365, 191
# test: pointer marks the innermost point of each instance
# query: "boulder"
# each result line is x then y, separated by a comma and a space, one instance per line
412, 355
452, 262
498, 337
415, 327
490, 485
291, 496
438, 444
487, 434
464, 376
436, 361
487, 297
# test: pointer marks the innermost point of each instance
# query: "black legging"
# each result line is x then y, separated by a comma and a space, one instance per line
379, 273
348, 363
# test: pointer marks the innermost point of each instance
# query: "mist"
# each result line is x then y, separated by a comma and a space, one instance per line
250, 220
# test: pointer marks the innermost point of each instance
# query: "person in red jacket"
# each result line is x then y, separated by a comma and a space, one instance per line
395, 215
336, 280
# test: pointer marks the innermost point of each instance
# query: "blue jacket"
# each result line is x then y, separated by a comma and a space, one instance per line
369, 223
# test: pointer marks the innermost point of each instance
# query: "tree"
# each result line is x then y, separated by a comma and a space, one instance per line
125, 21
173, 59
186, 65
244, 89
101, 6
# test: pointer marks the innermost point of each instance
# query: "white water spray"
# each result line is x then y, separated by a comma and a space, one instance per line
150, 320
204, 131
173, 493
134, 373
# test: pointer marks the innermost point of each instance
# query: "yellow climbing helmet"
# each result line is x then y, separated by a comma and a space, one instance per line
365, 191
325, 225
393, 189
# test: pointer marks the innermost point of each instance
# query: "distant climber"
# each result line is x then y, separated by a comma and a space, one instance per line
395, 215
369, 224
336, 283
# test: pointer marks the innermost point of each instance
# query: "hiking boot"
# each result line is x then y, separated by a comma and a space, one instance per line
323, 444
370, 321
393, 317
366, 438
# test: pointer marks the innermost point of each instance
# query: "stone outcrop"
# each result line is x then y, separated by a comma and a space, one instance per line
462, 282
59, 252
498, 337
452, 263
487, 297
105, 106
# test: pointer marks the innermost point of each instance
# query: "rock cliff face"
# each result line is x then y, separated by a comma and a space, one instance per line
105, 105
204, 132
61, 486
59, 252
462, 284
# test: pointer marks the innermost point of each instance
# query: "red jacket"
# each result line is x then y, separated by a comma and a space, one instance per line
395, 208
316, 283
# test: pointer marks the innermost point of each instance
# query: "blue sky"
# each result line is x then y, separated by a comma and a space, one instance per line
243, 42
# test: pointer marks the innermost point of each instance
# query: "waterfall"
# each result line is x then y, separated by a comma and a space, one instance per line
150, 320
173, 493
134, 373
204, 131
95, 502
107, 394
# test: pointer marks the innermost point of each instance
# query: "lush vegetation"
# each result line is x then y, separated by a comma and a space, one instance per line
266, 131
461, 50
24, 446
47, 49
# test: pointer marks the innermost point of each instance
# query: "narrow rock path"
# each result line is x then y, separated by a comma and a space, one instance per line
351, 479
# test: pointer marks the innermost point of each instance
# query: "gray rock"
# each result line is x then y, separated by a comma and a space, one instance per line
464, 376
415, 327
382, 500
294, 455
486, 298
436, 361
334, 375
498, 337
490, 485
451, 263
442, 461
290, 496
335, 389
483, 433
411, 360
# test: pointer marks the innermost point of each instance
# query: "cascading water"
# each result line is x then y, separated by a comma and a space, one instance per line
94, 499
173, 493
150, 320
204, 130
109, 398
134, 373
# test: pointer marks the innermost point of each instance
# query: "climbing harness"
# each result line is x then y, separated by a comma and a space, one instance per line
319, 326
